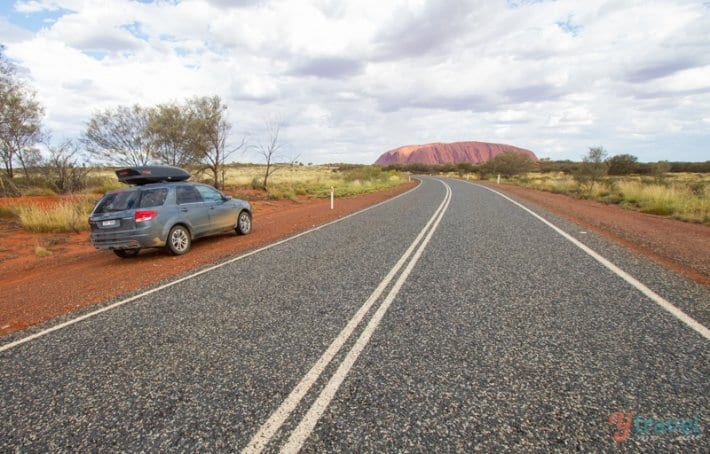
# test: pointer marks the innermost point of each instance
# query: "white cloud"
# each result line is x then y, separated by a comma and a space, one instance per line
351, 79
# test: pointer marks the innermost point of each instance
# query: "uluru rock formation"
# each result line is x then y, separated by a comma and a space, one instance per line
448, 153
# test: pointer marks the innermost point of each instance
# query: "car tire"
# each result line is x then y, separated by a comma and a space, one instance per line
243, 223
179, 240
126, 253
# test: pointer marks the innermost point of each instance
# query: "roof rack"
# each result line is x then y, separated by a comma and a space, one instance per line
151, 174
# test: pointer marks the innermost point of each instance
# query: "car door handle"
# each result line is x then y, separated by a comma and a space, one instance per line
184, 210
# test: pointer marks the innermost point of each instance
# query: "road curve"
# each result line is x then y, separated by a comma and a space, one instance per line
448, 318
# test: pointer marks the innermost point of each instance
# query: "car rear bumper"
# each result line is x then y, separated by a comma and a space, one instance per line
125, 240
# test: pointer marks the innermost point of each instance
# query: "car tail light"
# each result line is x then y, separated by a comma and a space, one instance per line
145, 215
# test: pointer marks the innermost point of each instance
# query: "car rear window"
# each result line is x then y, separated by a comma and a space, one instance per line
117, 201
127, 200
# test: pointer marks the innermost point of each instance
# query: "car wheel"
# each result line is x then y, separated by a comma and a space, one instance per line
243, 223
179, 240
126, 253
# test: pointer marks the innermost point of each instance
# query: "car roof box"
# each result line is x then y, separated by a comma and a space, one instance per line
151, 174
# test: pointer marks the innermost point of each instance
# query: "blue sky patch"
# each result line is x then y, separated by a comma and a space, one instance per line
33, 22
569, 27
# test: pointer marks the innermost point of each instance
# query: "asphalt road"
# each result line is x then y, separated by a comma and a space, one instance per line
447, 319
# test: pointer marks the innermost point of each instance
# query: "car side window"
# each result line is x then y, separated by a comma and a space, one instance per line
209, 194
187, 194
153, 197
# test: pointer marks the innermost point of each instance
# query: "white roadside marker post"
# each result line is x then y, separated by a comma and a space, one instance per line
498, 178
332, 196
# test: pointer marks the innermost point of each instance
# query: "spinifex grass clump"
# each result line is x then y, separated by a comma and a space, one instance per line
677, 200
63, 217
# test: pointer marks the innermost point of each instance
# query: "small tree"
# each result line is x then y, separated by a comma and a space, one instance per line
269, 150
209, 131
592, 169
169, 131
20, 118
120, 136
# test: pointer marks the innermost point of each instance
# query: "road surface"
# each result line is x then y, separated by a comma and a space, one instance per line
447, 319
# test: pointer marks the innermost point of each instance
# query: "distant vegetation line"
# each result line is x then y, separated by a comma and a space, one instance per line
565, 166
680, 190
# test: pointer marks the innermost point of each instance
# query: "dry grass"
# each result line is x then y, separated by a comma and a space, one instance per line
682, 196
41, 251
290, 182
65, 216
677, 200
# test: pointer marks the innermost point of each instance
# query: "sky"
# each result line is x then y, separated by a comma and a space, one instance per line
349, 80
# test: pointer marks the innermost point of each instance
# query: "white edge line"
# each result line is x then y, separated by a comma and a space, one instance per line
315, 412
656, 298
274, 423
44, 332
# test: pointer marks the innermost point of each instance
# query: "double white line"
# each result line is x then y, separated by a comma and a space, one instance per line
299, 435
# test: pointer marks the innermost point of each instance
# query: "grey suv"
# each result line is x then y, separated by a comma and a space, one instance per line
163, 210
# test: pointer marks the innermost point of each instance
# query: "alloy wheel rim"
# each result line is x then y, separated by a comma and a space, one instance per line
179, 240
244, 224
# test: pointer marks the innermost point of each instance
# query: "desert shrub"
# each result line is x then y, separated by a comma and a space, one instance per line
698, 188
279, 193
623, 164
41, 251
508, 164
364, 173
257, 183
659, 170
592, 169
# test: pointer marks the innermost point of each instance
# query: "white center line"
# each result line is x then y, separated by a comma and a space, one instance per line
308, 423
267, 431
